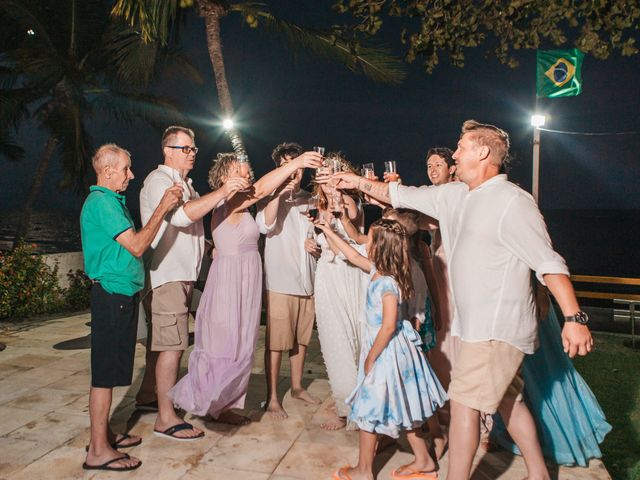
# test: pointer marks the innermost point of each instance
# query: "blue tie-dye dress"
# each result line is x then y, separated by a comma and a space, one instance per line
401, 391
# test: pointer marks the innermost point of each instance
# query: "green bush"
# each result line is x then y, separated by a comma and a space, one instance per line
77, 295
28, 286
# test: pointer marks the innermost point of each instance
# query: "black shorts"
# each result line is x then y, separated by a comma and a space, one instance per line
114, 322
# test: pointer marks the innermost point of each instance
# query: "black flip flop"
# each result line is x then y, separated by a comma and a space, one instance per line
107, 465
147, 407
118, 444
170, 432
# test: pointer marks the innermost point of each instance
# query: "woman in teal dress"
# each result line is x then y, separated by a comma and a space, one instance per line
570, 422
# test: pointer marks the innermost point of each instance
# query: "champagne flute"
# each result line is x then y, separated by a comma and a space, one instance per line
292, 177
176, 177
390, 170
244, 167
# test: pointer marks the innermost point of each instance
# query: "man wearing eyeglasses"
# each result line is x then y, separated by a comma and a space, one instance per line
173, 265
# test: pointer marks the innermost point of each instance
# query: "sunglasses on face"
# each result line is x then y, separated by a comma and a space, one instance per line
186, 149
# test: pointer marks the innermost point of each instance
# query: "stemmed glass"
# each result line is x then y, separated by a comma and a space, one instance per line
323, 170
176, 176
244, 167
390, 170
291, 177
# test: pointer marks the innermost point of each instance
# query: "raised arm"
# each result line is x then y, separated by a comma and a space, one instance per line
350, 253
137, 242
199, 207
377, 190
352, 231
272, 180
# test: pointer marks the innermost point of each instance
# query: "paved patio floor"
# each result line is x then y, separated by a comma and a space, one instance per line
44, 422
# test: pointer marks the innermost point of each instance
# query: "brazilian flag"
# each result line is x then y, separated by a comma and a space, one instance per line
559, 73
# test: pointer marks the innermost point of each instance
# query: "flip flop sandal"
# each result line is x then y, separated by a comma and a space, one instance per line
107, 465
409, 473
147, 407
341, 474
170, 432
118, 444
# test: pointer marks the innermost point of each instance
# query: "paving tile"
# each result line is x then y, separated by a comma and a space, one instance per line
64, 462
12, 418
53, 429
18, 454
44, 399
212, 471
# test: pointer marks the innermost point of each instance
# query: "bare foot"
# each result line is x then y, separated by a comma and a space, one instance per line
275, 410
413, 469
232, 418
440, 445
334, 423
303, 395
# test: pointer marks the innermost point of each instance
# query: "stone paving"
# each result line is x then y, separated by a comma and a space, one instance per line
44, 422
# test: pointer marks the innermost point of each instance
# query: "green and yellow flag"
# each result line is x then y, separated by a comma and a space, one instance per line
559, 73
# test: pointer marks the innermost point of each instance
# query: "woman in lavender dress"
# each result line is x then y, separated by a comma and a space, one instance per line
228, 317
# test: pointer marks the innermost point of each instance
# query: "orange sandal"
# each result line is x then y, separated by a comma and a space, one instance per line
404, 472
341, 474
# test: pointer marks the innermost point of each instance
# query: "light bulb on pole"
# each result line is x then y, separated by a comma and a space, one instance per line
227, 124
537, 121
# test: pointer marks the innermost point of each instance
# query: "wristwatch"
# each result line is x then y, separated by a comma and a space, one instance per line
579, 317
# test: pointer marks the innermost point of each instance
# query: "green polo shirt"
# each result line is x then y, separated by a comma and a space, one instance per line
104, 216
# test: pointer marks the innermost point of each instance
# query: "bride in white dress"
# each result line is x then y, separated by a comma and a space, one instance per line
340, 290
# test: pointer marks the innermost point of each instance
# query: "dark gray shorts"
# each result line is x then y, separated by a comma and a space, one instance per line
114, 321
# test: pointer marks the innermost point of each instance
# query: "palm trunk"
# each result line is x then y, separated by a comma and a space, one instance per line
24, 224
212, 12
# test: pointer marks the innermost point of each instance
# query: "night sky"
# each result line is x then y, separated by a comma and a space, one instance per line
284, 97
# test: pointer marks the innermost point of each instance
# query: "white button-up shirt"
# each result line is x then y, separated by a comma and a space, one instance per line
177, 249
288, 267
493, 235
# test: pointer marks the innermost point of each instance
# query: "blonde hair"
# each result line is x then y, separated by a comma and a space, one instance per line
490, 136
221, 168
390, 253
346, 166
107, 156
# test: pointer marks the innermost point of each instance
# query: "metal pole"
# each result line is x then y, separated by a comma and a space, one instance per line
535, 177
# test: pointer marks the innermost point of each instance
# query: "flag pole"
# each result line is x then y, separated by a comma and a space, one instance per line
535, 176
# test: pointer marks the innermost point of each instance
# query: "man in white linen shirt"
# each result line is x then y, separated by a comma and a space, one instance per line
173, 265
289, 267
493, 235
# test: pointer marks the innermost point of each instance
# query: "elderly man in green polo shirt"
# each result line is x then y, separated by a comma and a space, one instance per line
112, 256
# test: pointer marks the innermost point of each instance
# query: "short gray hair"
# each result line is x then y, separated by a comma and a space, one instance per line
107, 156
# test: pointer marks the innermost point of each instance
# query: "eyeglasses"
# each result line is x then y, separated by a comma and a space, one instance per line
186, 149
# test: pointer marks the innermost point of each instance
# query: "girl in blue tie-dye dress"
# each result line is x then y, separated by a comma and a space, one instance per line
396, 390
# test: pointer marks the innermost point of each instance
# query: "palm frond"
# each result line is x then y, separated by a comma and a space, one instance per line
153, 18
376, 63
131, 60
74, 144
127, 107
14, 105
9, 148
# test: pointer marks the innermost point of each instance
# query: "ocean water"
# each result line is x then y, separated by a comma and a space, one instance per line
593, 242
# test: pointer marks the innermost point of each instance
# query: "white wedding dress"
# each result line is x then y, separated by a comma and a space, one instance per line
340, 290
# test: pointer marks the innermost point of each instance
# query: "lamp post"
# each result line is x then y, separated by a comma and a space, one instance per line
537, 121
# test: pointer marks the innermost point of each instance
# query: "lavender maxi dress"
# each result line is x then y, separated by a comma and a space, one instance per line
227, 321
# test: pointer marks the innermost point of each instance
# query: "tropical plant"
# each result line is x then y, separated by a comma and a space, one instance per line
155, 19
436, 27
61, 63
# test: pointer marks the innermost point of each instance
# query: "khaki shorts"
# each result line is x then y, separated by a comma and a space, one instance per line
289, 320
484, 373
168, 307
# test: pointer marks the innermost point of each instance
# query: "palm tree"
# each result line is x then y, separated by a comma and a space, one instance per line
61, 62
155, 19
